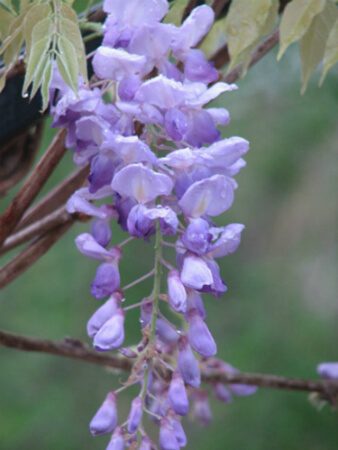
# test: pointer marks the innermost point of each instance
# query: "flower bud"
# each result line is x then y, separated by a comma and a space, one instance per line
105, 420
201, 408
188, 365
243, 390
106, 281
117, 441
179, 433
194, 301
222, 393
101, 232
166, 332
178, 395
135, 415
199, 336
111, 335
168, 439
145, 444
103, 314
176, 292
328, 370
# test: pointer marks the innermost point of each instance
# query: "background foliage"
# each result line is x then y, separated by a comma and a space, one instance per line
279, 315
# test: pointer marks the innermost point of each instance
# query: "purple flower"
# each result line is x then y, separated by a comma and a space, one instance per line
101, 232
111, 335
179, 432
197, 236
141, 220
176, 292
105, 420
115, 64
194, 28
222, 393
201, 408
168, 440
135, 415
188, 365
199, 335
328, 370
211, 196
103, 314
117, 441
106, 281
178, 395
140, 183
176, 124
195, 273
145, 444
227, 240
88, 246
197, 68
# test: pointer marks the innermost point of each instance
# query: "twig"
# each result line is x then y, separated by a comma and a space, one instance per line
70, 348
32, 186
58, 217
31, 254
55, 198
261, 51
75, 349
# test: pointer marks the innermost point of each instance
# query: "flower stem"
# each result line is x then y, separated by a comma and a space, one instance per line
156, 299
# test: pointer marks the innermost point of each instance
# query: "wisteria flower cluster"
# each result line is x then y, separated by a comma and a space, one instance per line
158, 166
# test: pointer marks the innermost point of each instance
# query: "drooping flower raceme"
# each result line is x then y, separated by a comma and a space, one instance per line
159, 167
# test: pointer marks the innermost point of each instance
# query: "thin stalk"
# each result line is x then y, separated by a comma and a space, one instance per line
156, 299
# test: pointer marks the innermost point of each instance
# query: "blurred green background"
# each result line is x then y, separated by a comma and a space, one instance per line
279, 315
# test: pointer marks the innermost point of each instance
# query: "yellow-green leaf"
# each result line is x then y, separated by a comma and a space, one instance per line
36, 60
313, 43
67, 62
331, 51
215, 39
68, 12
71, 32
38, 20
39, 72
47, 76
297, 18
176, 12
245, 24
5, 21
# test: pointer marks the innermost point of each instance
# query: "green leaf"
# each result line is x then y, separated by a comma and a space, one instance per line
71, 32
297, 18
245, 24
67, 62
331, 52
47, 76
312, 44
37, 60
176, 12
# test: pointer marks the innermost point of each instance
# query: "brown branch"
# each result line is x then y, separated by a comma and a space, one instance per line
47, 223
55, 198
32, 186
261, 51
218, 6
71, 348
32, 253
